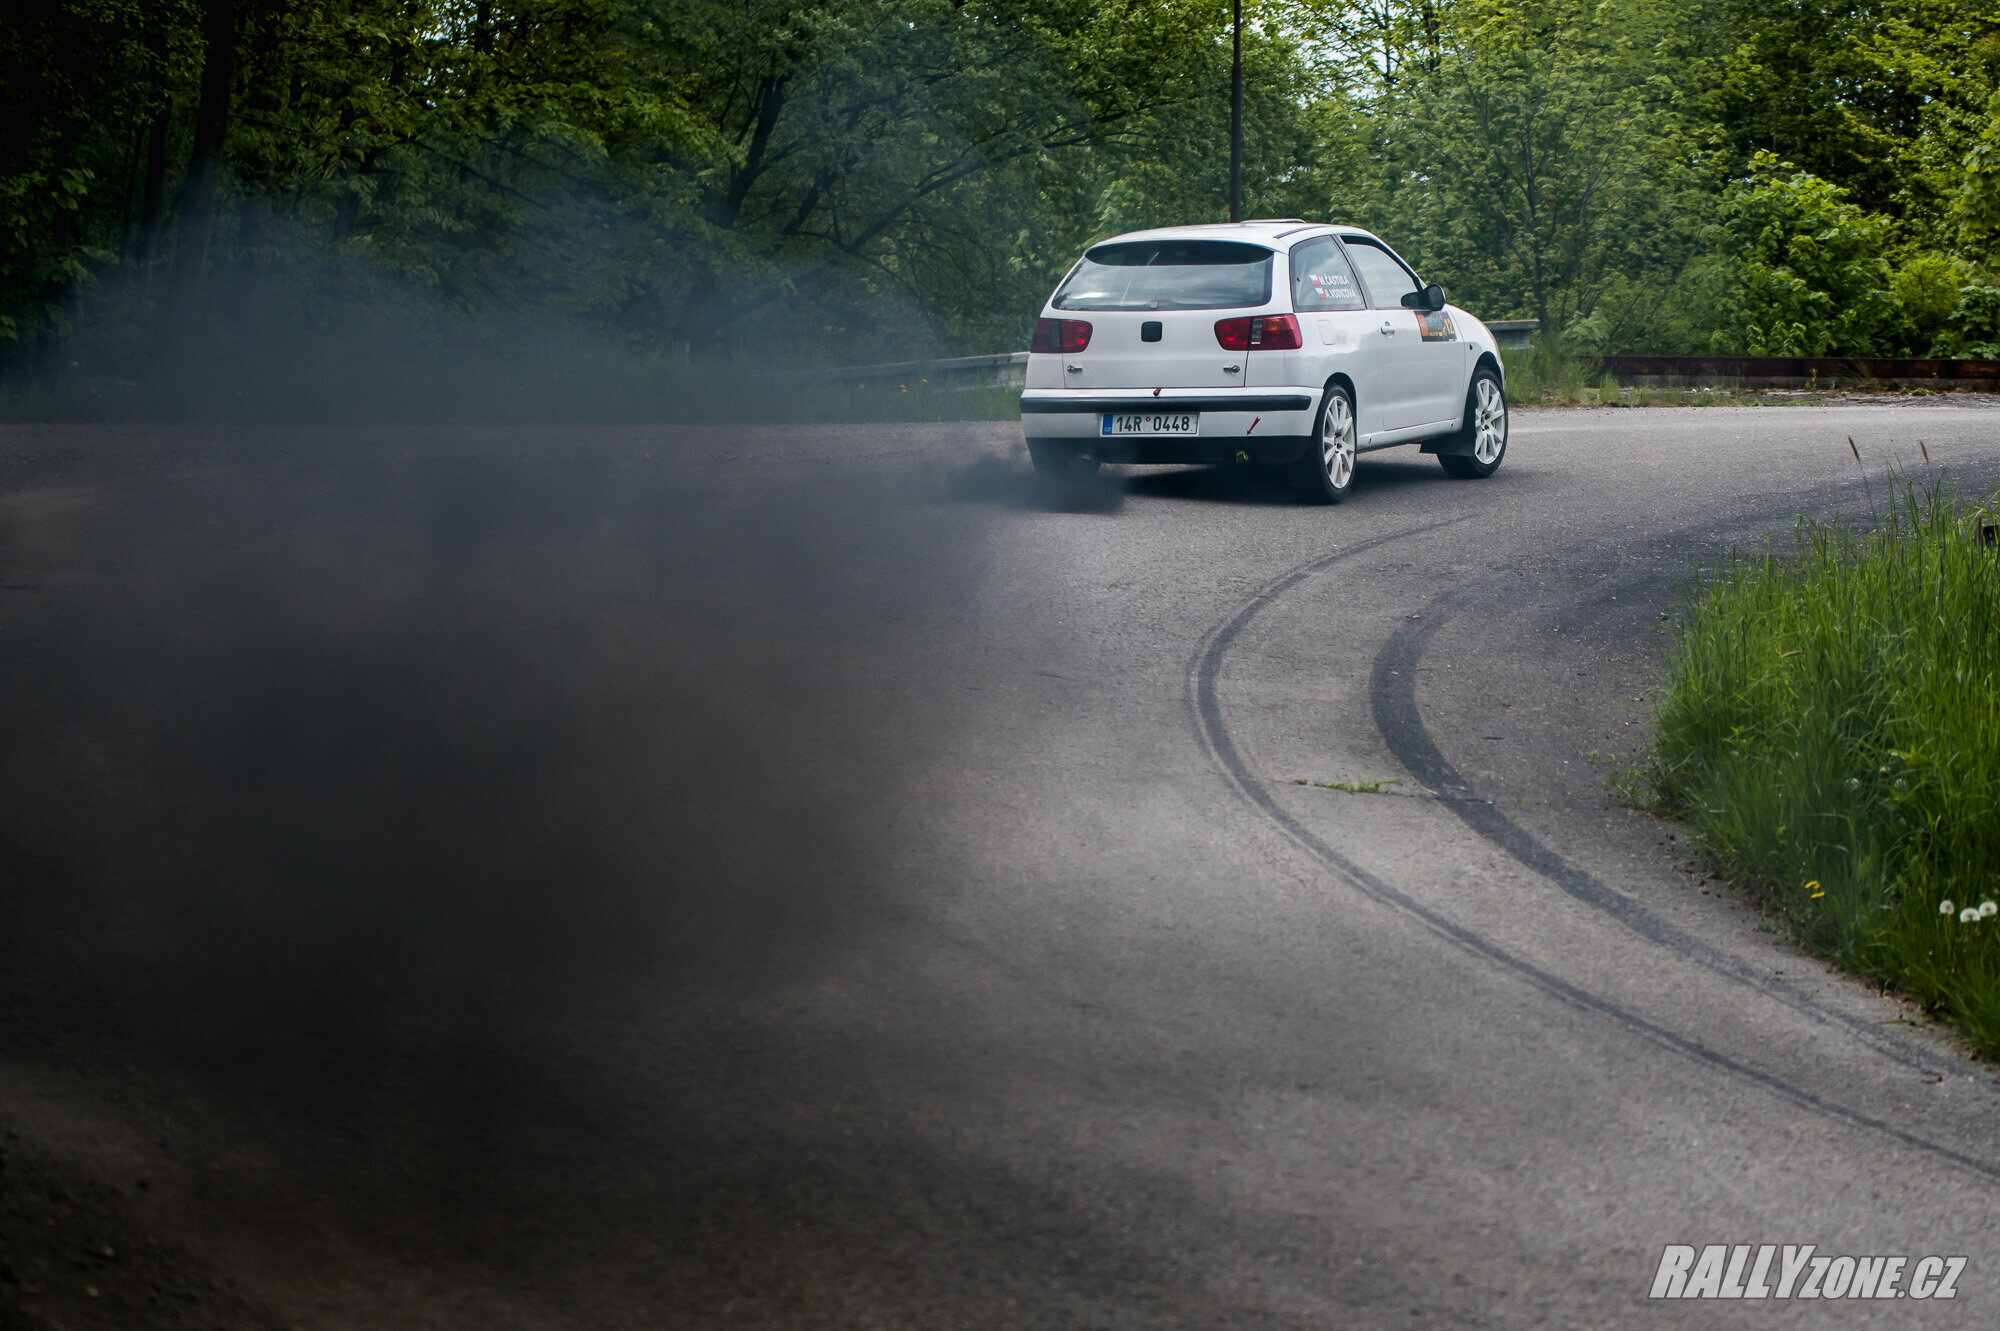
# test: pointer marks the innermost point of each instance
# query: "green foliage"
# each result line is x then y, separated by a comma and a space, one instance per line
1975, 324
1537, 159
1832, 734
1812, 276
1807, 272
843, 179
1928, 291
79, 83
1977, 207
1877, 98
869, 180
1736, 175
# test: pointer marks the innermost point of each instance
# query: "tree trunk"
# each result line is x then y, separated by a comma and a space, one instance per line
151, 201
153, 191
262, 91
135, 170
204, 177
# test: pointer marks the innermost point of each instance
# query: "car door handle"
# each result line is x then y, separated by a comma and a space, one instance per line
1388, 328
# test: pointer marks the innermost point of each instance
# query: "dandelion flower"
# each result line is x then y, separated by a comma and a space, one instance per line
1968, 915
1946, 908
1987, 910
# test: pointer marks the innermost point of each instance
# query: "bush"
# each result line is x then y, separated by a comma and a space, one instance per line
1975, 325
1811, 273
1832, 734
1544, 372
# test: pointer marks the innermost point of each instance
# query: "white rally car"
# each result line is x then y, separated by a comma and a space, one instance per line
1280, 342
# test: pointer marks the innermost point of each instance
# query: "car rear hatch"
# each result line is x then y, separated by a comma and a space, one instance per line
1154, 349
1152, 307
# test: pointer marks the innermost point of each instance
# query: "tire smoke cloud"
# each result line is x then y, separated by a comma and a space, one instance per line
327, 750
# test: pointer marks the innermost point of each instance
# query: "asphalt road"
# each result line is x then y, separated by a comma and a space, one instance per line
814, 877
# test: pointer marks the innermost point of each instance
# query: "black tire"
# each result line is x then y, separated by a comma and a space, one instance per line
1325, 475
1059, 461
1484, 434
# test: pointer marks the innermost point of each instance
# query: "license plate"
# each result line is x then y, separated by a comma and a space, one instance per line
1152, 422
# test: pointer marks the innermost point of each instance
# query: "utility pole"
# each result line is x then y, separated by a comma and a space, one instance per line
1236, 111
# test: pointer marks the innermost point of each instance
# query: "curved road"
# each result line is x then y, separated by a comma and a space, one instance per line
806, 877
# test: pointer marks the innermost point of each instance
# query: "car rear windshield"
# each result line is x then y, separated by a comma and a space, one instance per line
1169, 275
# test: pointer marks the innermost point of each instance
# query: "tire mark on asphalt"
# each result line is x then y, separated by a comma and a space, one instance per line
1392, 696
1205, 708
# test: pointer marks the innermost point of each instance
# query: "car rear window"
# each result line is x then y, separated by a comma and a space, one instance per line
1169, 275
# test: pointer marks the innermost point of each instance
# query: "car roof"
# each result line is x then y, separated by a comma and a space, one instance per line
1270, 231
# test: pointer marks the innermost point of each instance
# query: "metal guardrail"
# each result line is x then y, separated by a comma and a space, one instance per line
1009, 369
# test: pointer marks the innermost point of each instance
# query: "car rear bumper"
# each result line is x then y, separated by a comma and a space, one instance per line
1268, 424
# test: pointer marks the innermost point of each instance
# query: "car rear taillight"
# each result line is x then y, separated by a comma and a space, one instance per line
1260, 332
1056, 336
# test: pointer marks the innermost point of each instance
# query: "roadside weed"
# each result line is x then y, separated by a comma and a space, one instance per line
1831, 734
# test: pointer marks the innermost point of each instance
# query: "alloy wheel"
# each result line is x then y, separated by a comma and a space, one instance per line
1336, 438
1489, 423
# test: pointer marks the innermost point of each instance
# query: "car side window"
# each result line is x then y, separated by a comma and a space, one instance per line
1381, 272
1321, 279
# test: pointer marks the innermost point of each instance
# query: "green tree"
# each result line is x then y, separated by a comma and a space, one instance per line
1533, 153
1876, 97
1812, 274
880, 178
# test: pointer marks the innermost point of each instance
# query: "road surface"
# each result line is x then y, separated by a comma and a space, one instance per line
813, 877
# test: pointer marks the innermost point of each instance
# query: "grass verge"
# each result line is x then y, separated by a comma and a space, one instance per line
1831, 735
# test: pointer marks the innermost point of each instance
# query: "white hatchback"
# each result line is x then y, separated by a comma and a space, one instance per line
1279, 342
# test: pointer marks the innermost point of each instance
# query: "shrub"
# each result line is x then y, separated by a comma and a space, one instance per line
1811, 273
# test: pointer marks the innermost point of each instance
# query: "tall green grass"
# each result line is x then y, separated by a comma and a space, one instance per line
1831, 733
1541, 372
